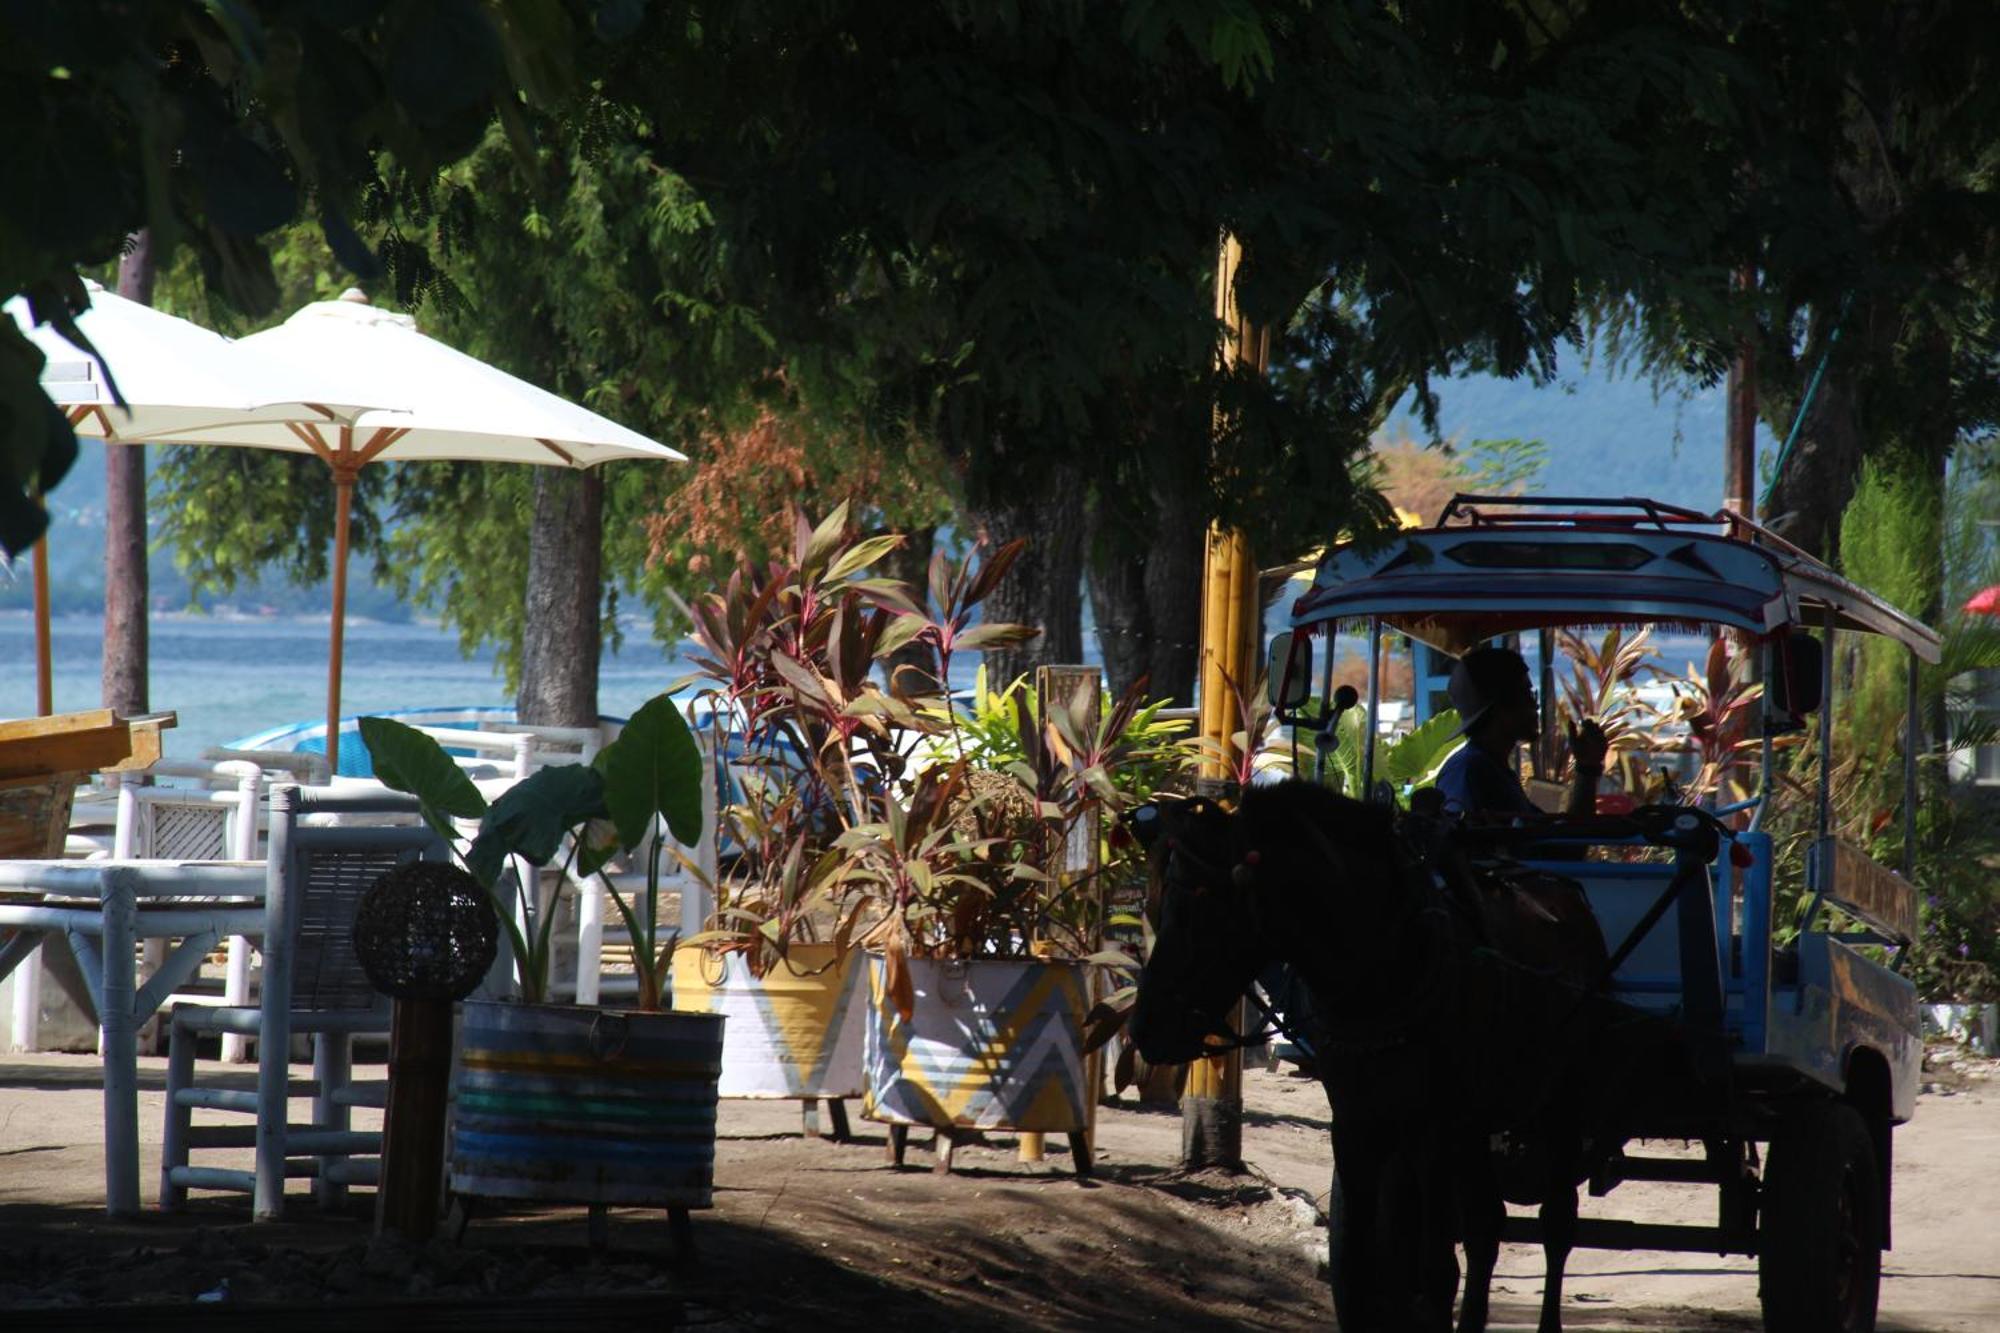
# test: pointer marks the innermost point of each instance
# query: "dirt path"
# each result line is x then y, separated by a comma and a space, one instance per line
808, 1233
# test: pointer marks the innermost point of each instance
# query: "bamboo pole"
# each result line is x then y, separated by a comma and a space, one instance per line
1212, 1100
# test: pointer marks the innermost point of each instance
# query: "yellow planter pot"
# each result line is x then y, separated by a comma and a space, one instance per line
794, 1033
992, 1044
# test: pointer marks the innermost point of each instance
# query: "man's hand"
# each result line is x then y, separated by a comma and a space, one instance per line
1588, 745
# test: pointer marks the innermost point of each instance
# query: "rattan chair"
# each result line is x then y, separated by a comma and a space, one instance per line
317, 874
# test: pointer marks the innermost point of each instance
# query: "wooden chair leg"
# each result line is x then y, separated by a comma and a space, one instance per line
680, 1233
809, 1117
457, 1217
600, 1227
837, 1112
899, 1142
947, 1143
1079, 1152
174, 1141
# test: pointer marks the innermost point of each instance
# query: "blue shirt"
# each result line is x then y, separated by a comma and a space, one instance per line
1475, 783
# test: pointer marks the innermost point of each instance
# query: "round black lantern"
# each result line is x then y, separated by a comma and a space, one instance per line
426, 931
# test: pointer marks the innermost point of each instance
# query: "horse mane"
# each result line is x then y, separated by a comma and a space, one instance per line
1279, 812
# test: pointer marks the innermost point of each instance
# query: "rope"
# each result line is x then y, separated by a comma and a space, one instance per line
1799, 418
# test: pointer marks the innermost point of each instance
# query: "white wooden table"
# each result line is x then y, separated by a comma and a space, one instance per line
103, 909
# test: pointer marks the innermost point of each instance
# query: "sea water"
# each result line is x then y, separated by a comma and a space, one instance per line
228, 677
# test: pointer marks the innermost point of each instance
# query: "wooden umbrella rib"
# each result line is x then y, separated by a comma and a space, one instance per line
314, 441
377, 443
559, 452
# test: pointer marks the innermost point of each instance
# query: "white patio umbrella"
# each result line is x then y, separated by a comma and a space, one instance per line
175, 376
432, 402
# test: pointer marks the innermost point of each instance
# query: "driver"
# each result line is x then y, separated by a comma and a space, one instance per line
1495, 699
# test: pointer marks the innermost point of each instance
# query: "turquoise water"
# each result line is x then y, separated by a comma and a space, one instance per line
230, 677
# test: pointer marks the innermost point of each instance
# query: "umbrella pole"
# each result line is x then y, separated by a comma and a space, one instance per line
343, 503
45, 680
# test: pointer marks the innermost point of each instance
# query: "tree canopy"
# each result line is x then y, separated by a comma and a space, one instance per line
211, 125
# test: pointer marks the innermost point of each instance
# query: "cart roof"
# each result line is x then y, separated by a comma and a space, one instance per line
1493, 565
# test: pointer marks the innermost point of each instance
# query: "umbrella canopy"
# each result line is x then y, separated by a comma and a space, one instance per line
431, 402
1985, 602
176, 378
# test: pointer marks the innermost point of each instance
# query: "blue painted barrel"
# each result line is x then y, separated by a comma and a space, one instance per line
581, 1105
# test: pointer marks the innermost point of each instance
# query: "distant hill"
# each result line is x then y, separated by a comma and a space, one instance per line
1606, 435
76, 563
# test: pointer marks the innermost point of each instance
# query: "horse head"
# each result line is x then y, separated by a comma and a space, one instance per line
1207, 945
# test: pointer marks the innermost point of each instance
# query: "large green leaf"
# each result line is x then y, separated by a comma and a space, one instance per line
531, 818
654, 768
409, 761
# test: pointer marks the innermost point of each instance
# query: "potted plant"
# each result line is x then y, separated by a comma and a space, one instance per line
561, 1102
806, 696
984, 886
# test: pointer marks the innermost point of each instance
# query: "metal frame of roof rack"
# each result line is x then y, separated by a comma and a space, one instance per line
1580, 510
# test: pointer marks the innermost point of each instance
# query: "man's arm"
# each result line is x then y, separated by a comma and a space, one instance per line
1587, 746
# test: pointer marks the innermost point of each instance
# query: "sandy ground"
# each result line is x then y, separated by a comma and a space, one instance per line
810, 1233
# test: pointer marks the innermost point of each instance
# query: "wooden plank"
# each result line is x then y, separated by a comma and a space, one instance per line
55, 724
1877, 895
34, 814
89, 742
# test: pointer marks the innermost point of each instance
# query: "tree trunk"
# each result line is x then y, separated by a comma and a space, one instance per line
126, 588
1173, 592
1146, 594
1117, 582
911, 563
1817, 479
563, 634
1045, 587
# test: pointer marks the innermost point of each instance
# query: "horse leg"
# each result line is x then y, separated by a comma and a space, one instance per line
1436, 1277
1353, 1218
1483, 1212
1565, 1149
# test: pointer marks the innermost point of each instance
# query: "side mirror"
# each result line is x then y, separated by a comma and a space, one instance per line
1288, 673
1793, 689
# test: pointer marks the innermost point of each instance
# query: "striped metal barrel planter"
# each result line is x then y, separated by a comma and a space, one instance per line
581, 1105
794, 1032
991, 1044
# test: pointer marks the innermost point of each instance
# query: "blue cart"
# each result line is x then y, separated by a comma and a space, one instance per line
1797, 1062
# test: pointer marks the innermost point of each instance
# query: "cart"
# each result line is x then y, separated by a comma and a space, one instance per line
1794, 1064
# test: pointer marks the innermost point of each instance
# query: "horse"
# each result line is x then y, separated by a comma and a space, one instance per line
1449, 1014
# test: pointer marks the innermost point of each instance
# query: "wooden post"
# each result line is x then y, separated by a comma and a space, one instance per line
1212, 1100
45, 680
413, 1125
343, 507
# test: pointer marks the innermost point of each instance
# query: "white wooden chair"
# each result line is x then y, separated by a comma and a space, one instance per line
175, 811
315, 877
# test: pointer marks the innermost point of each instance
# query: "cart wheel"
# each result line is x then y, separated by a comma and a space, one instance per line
1819, 1239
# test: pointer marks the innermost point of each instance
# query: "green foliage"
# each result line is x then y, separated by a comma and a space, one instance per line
1406, 763
654, 771
213, 124
1891, 542
987, 735
408, 761
577, 813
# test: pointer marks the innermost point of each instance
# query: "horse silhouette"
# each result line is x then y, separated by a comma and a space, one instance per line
1458, 1033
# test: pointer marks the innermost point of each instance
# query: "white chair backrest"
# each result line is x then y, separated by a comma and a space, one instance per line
301, 766
201, 812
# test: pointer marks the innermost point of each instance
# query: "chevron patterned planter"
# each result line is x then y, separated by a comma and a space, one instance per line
795, 1032
992, 1044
